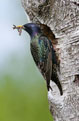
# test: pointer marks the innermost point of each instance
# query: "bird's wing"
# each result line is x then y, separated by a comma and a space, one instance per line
42, 55
45, 58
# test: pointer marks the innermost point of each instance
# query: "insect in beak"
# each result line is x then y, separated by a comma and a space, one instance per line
19, 28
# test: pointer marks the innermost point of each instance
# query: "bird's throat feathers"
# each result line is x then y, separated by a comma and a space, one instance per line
34, 32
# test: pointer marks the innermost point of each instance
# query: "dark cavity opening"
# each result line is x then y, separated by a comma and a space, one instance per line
48, 32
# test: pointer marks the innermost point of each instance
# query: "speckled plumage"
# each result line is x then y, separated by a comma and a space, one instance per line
43, 54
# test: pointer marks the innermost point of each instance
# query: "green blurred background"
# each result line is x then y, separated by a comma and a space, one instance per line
23, 93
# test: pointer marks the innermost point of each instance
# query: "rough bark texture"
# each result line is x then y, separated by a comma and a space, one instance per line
62, 16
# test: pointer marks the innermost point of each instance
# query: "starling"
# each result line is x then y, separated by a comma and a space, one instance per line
43, 53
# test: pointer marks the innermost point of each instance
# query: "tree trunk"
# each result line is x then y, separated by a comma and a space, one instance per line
62, 16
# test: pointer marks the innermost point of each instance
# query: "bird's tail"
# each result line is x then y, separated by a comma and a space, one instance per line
55, 79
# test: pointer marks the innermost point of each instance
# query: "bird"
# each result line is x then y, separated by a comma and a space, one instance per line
43, 53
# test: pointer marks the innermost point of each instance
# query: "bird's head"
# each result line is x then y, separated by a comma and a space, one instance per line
31, 28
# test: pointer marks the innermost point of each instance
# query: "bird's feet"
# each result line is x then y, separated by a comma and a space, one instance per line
49, 87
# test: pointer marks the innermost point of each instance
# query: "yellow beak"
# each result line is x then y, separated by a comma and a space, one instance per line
19, 26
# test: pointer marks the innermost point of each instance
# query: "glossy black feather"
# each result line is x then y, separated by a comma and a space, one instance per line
42, 55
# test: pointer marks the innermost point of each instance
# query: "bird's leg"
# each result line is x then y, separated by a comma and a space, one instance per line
49, 87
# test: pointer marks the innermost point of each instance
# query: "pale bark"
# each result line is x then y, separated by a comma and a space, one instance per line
62, 16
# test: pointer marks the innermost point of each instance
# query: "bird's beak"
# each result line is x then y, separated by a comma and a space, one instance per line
19, 28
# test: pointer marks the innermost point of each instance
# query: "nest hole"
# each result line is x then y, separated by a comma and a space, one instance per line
48, 32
